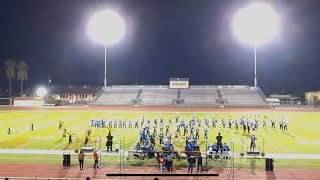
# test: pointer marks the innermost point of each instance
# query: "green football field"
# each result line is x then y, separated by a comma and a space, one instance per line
302, 136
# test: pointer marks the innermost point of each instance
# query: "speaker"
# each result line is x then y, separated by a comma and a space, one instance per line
66, 160
269, 164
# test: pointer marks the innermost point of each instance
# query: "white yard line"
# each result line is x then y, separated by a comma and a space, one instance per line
238, 139
23, 145
292, 134
275, 142
68, 137
59, 145
14, 136
134, 144
28, 126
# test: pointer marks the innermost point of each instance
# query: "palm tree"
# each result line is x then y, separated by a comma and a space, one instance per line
22, 74
10, 69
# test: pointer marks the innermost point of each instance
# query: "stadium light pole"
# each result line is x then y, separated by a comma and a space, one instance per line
106, 27
256, 24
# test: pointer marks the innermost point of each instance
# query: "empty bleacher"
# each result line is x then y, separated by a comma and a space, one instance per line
242, 96
117, 96
158, 96
200, 96
194, 96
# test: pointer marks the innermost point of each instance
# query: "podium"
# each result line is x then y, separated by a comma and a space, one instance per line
196, 148
87, 149
253, 153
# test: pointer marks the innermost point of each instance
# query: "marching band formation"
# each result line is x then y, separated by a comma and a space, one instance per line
169, 131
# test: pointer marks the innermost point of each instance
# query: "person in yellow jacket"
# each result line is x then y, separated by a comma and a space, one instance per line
177, 136
86, 139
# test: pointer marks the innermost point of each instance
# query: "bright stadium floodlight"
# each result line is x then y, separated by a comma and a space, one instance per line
106, 27
41, 92
255, 25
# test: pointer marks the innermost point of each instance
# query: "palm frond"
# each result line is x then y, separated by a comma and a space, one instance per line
10, 68
22, 73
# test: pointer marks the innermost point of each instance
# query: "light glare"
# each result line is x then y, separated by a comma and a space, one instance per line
41, 92
106, 27
256, 24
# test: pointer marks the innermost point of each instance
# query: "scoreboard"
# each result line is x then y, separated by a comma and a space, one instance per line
179, 83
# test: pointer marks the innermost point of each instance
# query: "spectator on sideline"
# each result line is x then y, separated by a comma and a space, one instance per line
81, 158
191, 161
169, 162
96, 160
199, 163
151, 151
162, 162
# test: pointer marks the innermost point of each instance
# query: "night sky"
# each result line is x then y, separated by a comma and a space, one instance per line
164, 38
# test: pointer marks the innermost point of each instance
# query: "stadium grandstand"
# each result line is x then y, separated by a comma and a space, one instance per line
193, 96
181, 94
178, 93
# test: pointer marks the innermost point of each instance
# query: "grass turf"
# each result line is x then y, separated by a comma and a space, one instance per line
302, 137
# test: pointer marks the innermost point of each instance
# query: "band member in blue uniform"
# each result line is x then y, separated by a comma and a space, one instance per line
265, 122
230, 123
136, 124
115, 124
155, 121
223, 122
236, 122
120, 123
167, 129
141, 122
161, 121
273, 122
253, 142
214, 122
